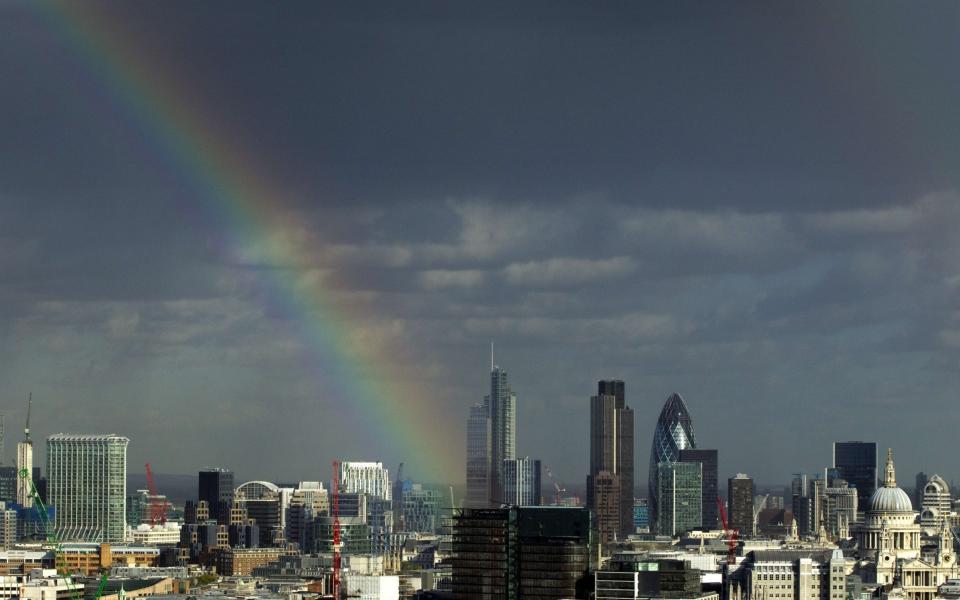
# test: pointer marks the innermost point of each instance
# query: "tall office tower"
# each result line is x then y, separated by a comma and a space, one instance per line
478, 457
680, 489
503, 428
857, 464
370, 478
740, 501
529, 552
87, 483
611, 460
25, 463
672, 433
521, 482
215, 487
708, 502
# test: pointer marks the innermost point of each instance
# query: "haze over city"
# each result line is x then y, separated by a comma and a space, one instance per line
268, 236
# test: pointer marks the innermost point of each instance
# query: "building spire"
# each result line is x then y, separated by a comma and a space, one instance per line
491, 355
26, 430
891, 474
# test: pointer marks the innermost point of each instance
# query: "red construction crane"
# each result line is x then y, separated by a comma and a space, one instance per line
336, 529
158, 506
732, 534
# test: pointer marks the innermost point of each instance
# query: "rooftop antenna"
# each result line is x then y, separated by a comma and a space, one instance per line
1, 439
26, 430
491, 356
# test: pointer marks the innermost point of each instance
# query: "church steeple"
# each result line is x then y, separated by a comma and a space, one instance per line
890, 480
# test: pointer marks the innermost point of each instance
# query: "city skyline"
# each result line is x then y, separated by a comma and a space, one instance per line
309, 224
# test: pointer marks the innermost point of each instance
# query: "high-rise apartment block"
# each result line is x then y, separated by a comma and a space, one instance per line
521, 482
87, 483
708, 501
856, 462
740, 494
610, 482
680, 492
502, 403
478, 456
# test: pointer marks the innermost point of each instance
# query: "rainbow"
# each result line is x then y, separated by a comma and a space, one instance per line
367, 378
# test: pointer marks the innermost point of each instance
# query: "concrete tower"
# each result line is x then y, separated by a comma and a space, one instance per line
25, 463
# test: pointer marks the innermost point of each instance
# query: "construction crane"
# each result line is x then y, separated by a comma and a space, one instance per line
336, 529
732, 534
158, 506
759, 506
559, 490
59, 560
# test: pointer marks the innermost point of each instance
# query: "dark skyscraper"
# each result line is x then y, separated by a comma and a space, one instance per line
610, 482
478, 457
672, 433
740, 501
857, 463
708, 460
216, 487
520, 552
502, 404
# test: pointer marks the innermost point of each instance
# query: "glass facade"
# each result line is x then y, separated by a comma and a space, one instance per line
673, 433
520, 552
502, 403
856, 462
87, 484
680, 489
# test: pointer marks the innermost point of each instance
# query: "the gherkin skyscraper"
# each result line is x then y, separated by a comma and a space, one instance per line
673, 433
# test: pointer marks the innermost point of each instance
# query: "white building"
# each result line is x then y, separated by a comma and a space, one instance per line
521, 482
87, 483
365, 478
371, 587
156, 535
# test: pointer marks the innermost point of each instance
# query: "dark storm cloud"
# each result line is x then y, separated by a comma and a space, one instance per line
754, 205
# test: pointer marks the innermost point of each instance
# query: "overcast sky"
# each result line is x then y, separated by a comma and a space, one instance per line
756, 206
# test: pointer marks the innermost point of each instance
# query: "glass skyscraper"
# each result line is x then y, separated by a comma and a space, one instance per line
478, 457
87, 484
673, 433
708, 459
679, 486
503, 429
856, 462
